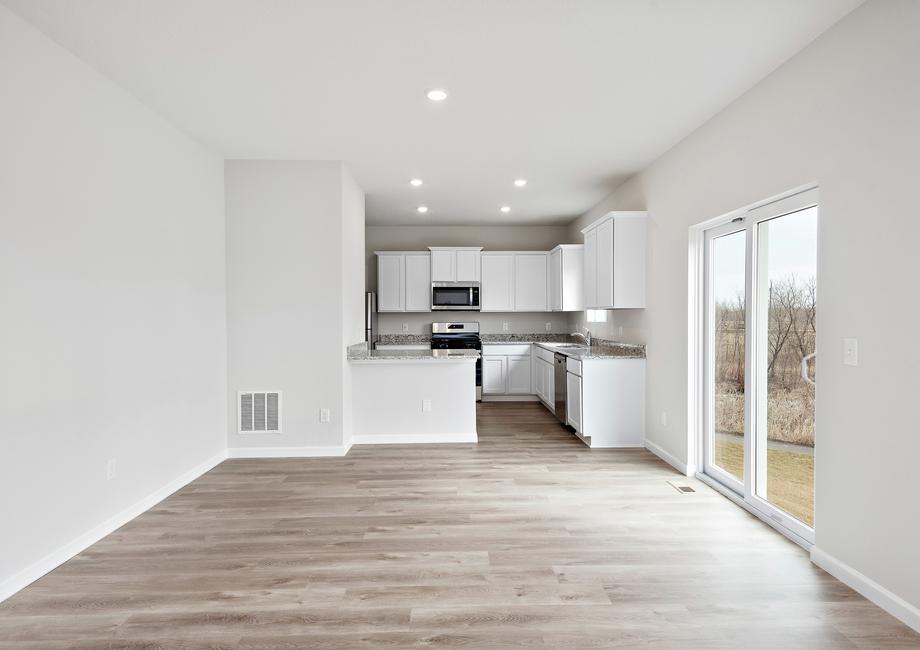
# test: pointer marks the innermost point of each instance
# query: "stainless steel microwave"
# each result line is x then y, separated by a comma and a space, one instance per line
456, 296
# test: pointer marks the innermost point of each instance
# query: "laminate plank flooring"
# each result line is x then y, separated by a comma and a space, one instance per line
528, 539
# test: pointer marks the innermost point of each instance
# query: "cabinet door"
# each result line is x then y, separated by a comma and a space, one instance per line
605, 264
493, 375
590, 265
390, 288
539, 379
555, 280
573, 400
629, 251
497, 290
418, 282
530, 282
519, 376
468, 266
443, 266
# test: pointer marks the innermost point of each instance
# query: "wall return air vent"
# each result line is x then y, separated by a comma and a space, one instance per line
260, 412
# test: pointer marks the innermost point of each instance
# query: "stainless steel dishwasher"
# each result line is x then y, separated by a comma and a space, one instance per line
560, 387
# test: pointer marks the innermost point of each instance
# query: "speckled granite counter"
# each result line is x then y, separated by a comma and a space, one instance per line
404, 339
599, 351
600, 348
361, 354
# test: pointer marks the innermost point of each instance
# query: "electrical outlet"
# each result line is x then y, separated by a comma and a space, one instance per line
110, 469
405, 327
850, 352
664, 418
620, 332
426, 405
324, 415
504, 327
549, 327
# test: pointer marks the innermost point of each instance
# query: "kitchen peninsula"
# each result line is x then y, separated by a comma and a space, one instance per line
412, 396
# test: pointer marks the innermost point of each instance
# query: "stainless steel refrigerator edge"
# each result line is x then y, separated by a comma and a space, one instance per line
370, 319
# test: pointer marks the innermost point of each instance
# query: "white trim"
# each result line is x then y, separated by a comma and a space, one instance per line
612, 445
737, 499
414, 438
56, 558
684, 468
890, 602
288, 452
510, 398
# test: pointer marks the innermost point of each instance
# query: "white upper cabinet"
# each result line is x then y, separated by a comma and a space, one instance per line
497, 290
418, 282
403, 281
530, 278
566, 273
614, 261
468, 265
455, 264
390, 285
514, 281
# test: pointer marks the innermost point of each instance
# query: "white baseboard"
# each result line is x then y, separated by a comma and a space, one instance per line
288, 452
669, 458
613, 445
406, 438
890, 602
53, 560
510, 398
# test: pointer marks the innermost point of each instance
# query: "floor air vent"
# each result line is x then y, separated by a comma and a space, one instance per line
683, 489
260, 412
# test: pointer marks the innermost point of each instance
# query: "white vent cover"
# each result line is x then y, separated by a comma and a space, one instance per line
260, 412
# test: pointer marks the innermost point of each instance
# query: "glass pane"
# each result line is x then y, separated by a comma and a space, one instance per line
786, 293
727, 266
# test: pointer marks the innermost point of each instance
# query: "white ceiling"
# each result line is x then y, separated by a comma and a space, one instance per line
574, 96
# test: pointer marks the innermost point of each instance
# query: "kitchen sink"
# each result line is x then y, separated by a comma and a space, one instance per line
568, 345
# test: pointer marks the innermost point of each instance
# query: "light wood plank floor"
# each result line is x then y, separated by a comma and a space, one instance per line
526, 539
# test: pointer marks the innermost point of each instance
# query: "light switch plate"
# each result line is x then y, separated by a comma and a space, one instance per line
504, 327
324, 415
426, 405
850, 352
549, 327
405, 327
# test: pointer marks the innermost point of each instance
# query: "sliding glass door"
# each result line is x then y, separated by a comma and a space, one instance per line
760, 334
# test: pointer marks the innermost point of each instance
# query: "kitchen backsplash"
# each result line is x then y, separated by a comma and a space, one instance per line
489, 322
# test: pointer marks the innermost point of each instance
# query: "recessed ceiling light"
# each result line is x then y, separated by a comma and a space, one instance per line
415, 182
506, 209
437, 94
422, 209
521, 182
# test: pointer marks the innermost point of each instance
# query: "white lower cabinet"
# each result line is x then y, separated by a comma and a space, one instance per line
519, 374
573, 400
506, 369
544, 377
493, 374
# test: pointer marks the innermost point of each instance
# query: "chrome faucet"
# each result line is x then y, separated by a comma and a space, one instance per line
586, 336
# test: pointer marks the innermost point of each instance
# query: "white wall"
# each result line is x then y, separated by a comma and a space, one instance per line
112, 294
510, 238
295, 294
843, 113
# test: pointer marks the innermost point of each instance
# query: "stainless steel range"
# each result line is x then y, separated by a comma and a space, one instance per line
459, 336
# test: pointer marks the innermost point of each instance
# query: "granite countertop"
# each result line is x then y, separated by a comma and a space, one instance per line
404, 339
600, 348
605, 350
361, 353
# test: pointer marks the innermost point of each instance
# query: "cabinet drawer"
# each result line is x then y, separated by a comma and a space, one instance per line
543, 353
504, 349
573, 366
